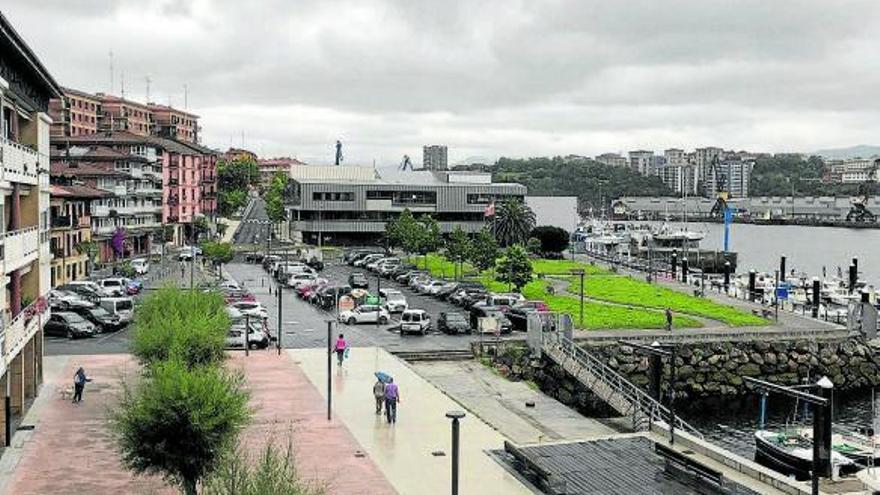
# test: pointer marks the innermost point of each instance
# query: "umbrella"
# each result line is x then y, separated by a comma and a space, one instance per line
382, 376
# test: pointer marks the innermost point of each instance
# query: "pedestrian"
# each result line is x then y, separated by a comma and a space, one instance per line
182, 268
379, 394
392, 397
340, 347
79, 383
668, 320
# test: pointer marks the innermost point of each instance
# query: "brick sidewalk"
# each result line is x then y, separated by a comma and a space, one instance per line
71, 450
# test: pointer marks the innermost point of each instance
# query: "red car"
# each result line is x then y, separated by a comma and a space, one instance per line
234, 295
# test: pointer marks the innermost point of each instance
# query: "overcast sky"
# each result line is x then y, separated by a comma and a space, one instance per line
487, 78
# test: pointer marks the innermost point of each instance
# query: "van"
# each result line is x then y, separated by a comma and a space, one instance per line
123, 307
140, 265
115, 286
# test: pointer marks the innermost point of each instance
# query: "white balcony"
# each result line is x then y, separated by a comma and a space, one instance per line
22, 328
104, 229
137, 173
119, 190
100, 210
20, 163
21, 247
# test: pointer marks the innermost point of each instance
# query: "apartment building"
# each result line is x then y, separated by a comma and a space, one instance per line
434, 157
612, 160
853, 171
233, 154
71, 207
25, 90
270, 166
76, 114
737, 174
169, 122
640, 161
120, 114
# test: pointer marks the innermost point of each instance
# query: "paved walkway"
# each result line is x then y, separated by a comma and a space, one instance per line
404, 451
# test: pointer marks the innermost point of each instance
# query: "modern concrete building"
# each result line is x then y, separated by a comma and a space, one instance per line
71, 210
612, 160
737, 174
640, 161
351, 205
434, 157
25, 90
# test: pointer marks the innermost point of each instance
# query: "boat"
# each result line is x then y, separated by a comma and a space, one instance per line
659, 243
855, 446
792, 454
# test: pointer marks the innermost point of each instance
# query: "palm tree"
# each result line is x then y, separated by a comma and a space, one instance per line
513, 223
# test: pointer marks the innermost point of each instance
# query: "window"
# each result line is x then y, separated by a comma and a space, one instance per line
333, 196
415, 198
380, 195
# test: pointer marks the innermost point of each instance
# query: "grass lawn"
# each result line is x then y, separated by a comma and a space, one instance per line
439, 266
564, 267
596, 315
621, 289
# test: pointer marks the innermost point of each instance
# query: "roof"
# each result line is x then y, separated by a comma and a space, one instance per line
93, 152
78, 191
83, 169
80, 94
11, 36
117, 137
118, 99
166, 108
317, 173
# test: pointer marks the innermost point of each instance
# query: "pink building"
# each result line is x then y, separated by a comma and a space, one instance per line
270, 166
189, 181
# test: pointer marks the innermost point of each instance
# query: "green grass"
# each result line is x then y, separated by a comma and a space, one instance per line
439, 266
625, 290
564, 267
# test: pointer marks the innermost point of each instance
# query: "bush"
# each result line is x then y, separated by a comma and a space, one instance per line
553, 239
179, 420
189, 326
272, 473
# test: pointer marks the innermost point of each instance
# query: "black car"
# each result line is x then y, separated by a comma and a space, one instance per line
70, 325
254, 257
358, 280
400, 270
478, 312
453, 323
328, 295
103, 319
315, 264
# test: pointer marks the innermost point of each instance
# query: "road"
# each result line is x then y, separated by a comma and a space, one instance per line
252, 229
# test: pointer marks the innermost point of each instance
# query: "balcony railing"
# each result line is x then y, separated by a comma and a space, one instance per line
22, 328
100, 210
20, 163
21, 247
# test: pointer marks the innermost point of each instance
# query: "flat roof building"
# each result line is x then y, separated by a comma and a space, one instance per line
351, 205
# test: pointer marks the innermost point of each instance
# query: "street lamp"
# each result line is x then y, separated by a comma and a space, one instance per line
580, 272
455, 416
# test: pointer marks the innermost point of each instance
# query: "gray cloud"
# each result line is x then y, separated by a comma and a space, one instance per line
515, 77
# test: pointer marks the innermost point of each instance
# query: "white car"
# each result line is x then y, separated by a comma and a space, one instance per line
115, 286
298, 279
434, 287
368, 259
366, 313
230, 284
389, 266
63, 300
140, 265
250, 308
395, 302
415, 321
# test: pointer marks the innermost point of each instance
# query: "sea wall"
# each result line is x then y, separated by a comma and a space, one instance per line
710, 370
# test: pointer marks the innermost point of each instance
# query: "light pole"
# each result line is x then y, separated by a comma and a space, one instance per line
278, 332
455, 416
581, 272
329, 367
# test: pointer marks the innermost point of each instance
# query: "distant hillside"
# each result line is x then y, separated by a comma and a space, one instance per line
858, 151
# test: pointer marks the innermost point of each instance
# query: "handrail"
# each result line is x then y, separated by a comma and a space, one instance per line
651, 409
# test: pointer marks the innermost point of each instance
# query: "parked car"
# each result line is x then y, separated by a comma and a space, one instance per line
395, 302
407, 277
453, 323
115, 286
298, 279
256, 337
365, 313
315, 264
123, 307
101, 318
134, 287
399, 270
254, 257
504, 301
233, 295
90, 285
358, 280
359, 254
229, 284
64, 300
83, 291
417, 280
467, 297
269, 260
140, 265
69, 324
415, 321
367, 259
251, 308
328, 296
432, 287
478, 312
305, 291
387, 268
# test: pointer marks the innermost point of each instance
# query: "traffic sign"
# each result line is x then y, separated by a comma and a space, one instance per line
782, 293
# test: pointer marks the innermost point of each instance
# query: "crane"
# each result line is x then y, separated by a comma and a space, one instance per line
859, 211
721, 208
406, 162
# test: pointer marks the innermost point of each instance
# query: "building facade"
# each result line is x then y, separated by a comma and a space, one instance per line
25, 90
270, 166
640, 161
853, 171
612, 160
434, 157
169, 122
352, 205
71, 209
76, 114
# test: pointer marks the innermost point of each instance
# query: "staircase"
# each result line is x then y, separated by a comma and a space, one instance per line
610, 386
435, 355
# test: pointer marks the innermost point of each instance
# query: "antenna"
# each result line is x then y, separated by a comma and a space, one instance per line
148, 80
185, 97
122, 83
111, 71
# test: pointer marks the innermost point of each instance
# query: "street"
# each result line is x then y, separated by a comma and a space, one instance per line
252, 229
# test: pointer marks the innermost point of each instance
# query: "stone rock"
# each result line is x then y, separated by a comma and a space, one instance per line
762, 346
713, 359
756, 358
685, 372
612, 363
750, 369
626, 349
770, 358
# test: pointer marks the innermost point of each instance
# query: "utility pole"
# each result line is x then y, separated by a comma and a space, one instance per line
278, 332
329, 367
581, 273
192, 253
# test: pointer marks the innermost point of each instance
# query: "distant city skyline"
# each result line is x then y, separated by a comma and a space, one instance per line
487, 80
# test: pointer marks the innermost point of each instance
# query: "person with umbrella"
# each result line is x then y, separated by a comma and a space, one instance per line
379, 390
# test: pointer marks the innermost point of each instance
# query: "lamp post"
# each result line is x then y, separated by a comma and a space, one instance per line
580, 273
329, 367
455, 416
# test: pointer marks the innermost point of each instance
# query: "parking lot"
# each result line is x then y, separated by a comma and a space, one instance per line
305, 325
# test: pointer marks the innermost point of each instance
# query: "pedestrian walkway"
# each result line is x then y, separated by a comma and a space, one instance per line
413, 454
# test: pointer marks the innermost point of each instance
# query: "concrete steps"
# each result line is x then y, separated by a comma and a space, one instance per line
435, 355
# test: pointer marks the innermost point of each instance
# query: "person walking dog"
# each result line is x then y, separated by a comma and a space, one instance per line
79, 383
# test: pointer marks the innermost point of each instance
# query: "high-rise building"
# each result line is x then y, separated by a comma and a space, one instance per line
737, 174
612, 160
25, 90
434, 157
640, 161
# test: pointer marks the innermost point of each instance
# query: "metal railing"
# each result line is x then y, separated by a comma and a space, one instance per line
643, 408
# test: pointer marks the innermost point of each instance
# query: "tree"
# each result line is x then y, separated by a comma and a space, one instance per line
404, 232
534, 246
90, 249
458, 248
553, 239
218, 253
428, 235
484, 250
514, 267
513, 222
177, 422
234, 179
274, 197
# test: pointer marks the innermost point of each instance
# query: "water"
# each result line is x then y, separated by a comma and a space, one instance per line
807, 249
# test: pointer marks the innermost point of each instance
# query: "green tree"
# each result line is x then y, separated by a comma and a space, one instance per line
90, 249
234, 179
274, 197
403, 232
218, 253
514, 267
553, 239
188, 326
273, 472
458, 249
484, 250
428, 234
513, 222
534, 246
177, 422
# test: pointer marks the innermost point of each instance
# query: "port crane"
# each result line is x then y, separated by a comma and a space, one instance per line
859, 212
405, 163
721, 208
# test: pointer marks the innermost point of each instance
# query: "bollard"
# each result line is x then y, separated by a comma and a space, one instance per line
726, 276
822, 430
684, 270
853, 277
674, 262
455, 416
752, 276
816, 289
782, 271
